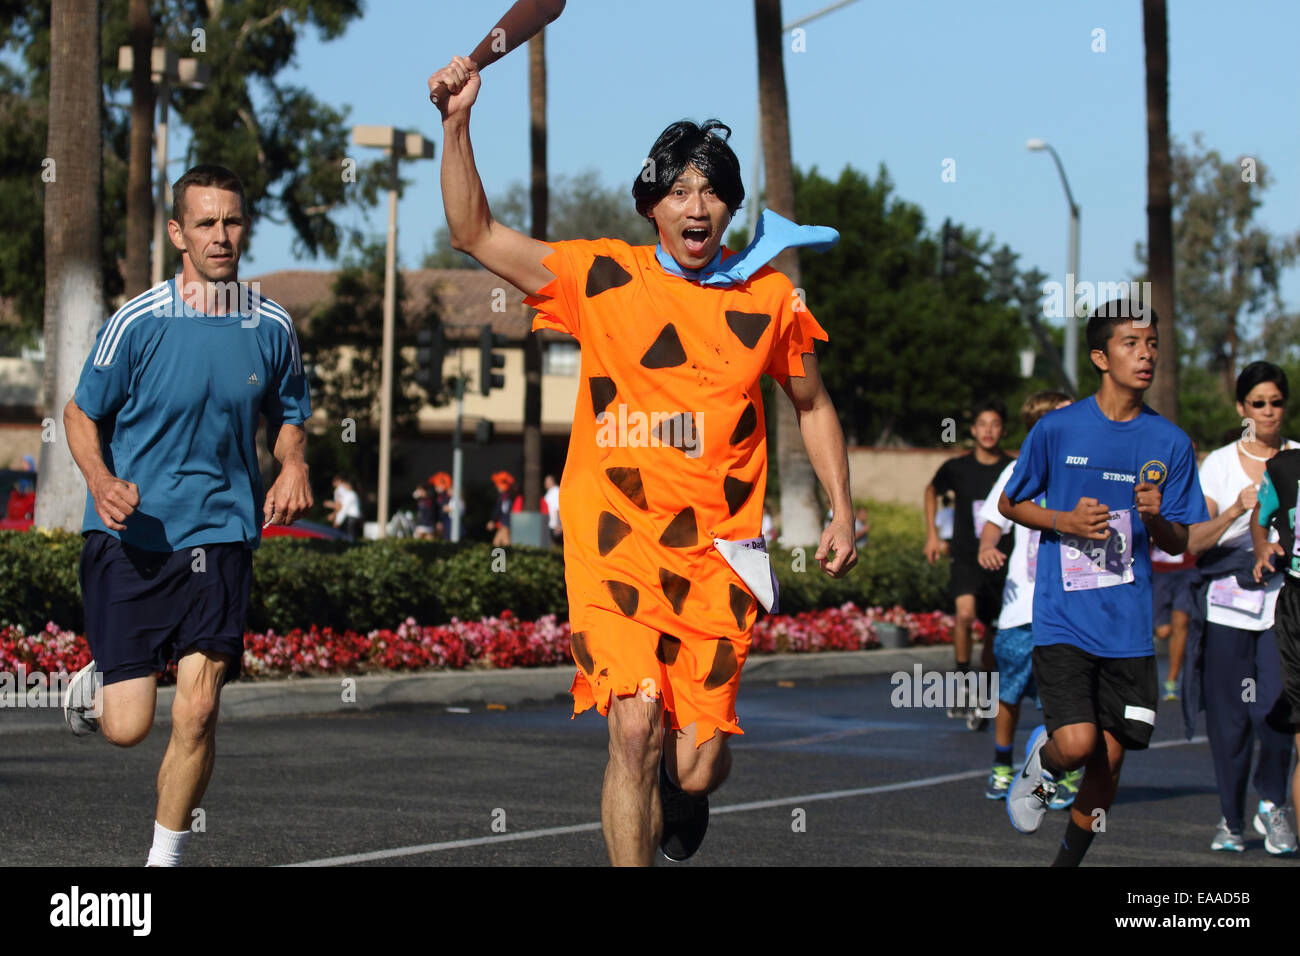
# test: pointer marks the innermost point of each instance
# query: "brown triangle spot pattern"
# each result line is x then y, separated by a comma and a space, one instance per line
603, 391
581, 653
741, 601
625, 596
628, 481
667, 648
675, 587
678, 431
605, 274
610, 530
724, 664
745, 427
736, 493
681, 531
748, 326
666, 352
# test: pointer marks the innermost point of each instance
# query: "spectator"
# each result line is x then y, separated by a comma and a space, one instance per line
346, 507
507, 503
423, 513
551, 508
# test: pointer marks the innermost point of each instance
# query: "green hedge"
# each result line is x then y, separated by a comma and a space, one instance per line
380, 583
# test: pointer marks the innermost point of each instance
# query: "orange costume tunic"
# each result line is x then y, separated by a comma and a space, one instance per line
668, 451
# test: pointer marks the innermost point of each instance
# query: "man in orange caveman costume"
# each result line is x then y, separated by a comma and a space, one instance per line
667, 463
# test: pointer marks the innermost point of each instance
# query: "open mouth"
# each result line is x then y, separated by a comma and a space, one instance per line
696, 239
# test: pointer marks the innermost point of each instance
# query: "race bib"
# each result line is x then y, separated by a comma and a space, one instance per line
749, 559
1226, 592
1087, 564
975, 516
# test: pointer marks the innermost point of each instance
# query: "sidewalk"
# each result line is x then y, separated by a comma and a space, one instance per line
502, 688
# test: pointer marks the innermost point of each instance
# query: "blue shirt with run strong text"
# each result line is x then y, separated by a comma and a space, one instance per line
1077, 452
177, 394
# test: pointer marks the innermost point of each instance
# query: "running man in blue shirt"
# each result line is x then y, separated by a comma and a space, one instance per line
163, 426
1116, 475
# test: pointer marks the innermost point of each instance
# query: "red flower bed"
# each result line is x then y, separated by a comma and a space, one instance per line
498, 642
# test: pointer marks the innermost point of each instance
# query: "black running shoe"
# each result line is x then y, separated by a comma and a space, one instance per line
686, 818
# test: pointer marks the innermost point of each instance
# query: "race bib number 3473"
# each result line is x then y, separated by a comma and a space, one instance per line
1087, 564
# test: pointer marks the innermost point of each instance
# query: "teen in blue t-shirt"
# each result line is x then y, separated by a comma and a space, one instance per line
1116, 476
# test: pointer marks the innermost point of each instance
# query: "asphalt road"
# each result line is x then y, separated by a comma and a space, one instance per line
870, 784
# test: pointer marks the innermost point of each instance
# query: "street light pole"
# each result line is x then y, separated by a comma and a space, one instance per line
396, 144
159, 206
1072, 269
386, 377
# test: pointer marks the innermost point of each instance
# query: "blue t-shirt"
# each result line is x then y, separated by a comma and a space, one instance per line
1077, 452
177, 394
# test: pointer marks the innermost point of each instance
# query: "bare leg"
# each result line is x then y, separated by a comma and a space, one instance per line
698, 770
1004, 726
630, 813
1177, 642
187, 764
961, 628
128, 707
1100, 781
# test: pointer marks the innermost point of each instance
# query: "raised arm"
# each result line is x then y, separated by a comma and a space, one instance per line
499, 249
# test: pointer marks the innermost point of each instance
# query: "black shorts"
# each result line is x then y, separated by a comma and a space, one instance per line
1171, 591
144, 608
1117, 694
969, 578
1285, 715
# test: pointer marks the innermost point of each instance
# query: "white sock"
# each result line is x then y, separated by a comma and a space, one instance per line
167, 846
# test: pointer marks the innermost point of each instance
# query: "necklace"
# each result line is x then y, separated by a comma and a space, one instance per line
1241, 447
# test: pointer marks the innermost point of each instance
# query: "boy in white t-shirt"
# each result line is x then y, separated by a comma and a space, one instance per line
1014, 643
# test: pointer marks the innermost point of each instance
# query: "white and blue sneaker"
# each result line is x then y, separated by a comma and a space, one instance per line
1033, 789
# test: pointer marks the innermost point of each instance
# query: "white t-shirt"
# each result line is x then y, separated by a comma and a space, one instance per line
349, 505
1222, 480
1018, 592
553, 507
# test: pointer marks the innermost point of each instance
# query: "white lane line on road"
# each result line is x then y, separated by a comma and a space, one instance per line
731, 808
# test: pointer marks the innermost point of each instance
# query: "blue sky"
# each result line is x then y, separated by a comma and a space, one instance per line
905, 84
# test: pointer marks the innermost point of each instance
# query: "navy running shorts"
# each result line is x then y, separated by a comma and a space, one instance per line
1117, 694
1171, 591
146, 608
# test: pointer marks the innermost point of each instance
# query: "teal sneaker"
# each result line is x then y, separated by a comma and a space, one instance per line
1067, 788
999, 782
1171, 690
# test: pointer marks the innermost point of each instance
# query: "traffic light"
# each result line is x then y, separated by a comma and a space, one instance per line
1002, 274
489, 360
431, 347
950, 249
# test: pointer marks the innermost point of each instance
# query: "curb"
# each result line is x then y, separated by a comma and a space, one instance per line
299, 696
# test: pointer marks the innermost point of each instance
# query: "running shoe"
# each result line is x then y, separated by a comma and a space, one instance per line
686, 818
1033, 788
974, 721
1273, 823
999, 781
1171, 690
1225, 839
1067, 788
78, 702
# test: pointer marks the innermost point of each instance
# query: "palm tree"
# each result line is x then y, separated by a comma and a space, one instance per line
1160, 227
139, 195
74, 293
800, 511
532, 342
